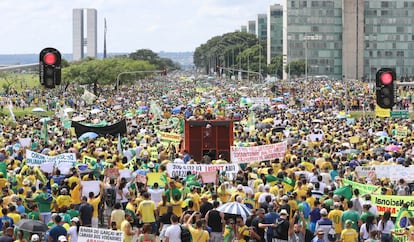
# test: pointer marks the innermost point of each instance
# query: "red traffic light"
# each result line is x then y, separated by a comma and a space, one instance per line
49, 58
386, 78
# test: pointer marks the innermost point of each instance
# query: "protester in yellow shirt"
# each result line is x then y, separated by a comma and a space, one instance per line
63, 199
223, 193
94, 201
74, 179
335, 215
147, 210
240, 192
198, 233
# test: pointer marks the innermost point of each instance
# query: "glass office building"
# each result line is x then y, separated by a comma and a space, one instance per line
389, 37
261, 27
274, 32
251, 26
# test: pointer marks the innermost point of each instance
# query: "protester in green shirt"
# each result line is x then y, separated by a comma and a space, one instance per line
34, 214
44, 199
350, 214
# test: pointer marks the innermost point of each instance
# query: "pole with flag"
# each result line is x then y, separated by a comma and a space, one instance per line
10, 107
120, 147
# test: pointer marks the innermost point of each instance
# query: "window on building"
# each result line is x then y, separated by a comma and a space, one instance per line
293, 4
315, 4
388, 53
385, 12
400, 29
400, 53
379, 54
385, 4
315, 29
304, 4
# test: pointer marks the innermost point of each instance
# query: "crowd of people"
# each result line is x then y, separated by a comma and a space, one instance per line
288, 199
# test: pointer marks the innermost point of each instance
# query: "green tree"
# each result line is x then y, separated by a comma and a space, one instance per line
104, 72
297, 68
276, 66
154, 59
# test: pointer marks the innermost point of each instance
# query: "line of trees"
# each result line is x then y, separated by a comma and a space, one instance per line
240, 50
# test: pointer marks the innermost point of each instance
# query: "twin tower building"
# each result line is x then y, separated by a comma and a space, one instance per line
85, 33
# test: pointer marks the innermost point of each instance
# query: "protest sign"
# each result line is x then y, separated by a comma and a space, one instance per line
173, 137
401, 132
25, 142
260, 100
392, 172
156, 177
125, 173
382, 112
46, 163
315, 137
112, 172
180, 170
87, 234
90, 186
208, 177
257, 153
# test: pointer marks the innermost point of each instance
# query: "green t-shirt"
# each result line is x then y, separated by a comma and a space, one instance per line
175, 192
34, 215
364, 216
44, 200
73, 213
3, 168
351, 215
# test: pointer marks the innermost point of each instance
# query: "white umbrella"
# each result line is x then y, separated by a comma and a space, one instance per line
45, 119
117, 107
235, 208
68, 110
38, 110
78, 118
95, 111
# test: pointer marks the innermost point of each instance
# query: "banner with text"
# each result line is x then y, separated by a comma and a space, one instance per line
363, 188
87, 234
257, 153
46, 163
393, 172
181, 170
392, 203
170, 137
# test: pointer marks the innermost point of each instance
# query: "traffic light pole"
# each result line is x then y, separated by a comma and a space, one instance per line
132, 72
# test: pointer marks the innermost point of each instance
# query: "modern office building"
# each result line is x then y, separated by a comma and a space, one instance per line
251, 26
261, 27
243, 29
80, 41
349, 39
274, 32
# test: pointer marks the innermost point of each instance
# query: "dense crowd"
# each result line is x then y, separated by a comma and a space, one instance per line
287, 199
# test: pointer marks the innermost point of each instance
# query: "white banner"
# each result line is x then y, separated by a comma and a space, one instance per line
46, 163
90, 186
257, 153
87, 234
393, 172
180, 170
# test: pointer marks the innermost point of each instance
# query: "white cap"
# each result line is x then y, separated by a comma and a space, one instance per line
323, 211
62, 238
35, 237
283, 211
267, 187
239, 187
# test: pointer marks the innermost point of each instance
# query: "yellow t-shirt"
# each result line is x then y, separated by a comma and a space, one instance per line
15, 216
335, 216
349, 235
196, 200
223, 194
124, 225
118, 216
198, 235
63, 200
76, 194
95, 202
147, 208
244, 230
73, 179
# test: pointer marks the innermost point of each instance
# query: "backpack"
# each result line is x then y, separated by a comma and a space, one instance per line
185, 234
110, 198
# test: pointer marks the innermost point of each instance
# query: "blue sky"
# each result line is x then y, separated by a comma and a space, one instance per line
160, 25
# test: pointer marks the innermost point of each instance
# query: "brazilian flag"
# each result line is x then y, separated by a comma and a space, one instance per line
345, 191
403, 216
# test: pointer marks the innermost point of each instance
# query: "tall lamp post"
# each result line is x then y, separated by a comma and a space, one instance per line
306, 38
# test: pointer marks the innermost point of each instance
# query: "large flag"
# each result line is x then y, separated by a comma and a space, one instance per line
88, 97
345, 191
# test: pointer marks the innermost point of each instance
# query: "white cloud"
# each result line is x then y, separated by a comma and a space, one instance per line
170, 25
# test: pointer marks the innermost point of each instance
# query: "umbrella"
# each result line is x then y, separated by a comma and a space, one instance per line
68, 110
38, 110
263, 126
317, 121
305, 109
267, 120
392, 148
176, 110
381, 133
30, 225
78, 118
282, 106
117, 107
143, 108
95, 111
235, 208
351, 151
277, 99
45, 119
88, 135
